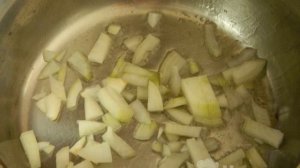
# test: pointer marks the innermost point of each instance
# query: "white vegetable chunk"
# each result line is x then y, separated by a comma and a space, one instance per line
135, 80
156, 146
182, 130
245, 55
175, 81
212, 144
97, 153
60, 55
91, 92
175, 102
175, 146
174, 160
233, 157
193, 66
118, 144
70, 165
166, 151
144, 131
133, 42
49, 150
92, 109
41, 104
234, 100
153, 18
255, 158
129, 95
78, 146
142, 93
62, 73
62, 157
119, 67
73, 95
110, 121
171, 137
222, 100
261, 115
80, 64
117, 84
144, 49
211, 42
180, 115
137, 70
197, 150
101, 48
57, 87
50, 69
114, 29
43, 144
49, 55
30, 146
41, 94
140, 112
155, 102
84, 164
90, 127
53, 105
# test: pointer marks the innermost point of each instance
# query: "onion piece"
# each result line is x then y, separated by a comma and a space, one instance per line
43, 145
135, 80
255, 158
137, 70
160, 132
114, 29
91, 92
211, 42
62, 73
175, 81
166, 151
78, 146
144, 49
92, 109
84, 164
97, 153
197, 150
49, 150
222, 100
142, 93
119, 67
171, 137
182, 130
30, 146
163, 89
232, 158
175, 146
219, 80
49, 55
144, 131
153, 18
53, 105
90, 139
41, 94
140, 112
261, 115
110, 121
100, 49
115, 104
73, 95
234, 99
212, 144
62, 157
129, 96
245, 55
60, 55
262, 132
51, 68
155, 102
41, 104
189, 165
202, 100
174, 160
70, 165
90, 127
156, 146
172, 59
243, 92
133, 42
117, 84
193, 66
57, 87
80, 64
118, 144
175, 102
180, 115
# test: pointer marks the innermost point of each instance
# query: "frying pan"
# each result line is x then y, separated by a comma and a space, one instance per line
27, 27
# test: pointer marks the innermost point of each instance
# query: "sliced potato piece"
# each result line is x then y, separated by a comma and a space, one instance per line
50, 69
97, 153
31, 148
92, 109
182, 130
100, 49
73, 94
62, 157
155, 102
80, 64
90, 127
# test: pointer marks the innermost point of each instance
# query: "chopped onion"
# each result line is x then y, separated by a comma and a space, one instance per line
197, 150
144, 49
180, 115
175, 81
41, 94
212, 144
155, 102
57, 87
175, 102
92, 109
84, 164
261, 115
51, 68
100, 49
129, 96
97, 153
219, 80
174, 160
119, 67
202, 100
172, 59
262, 132
163, 89
31, 148
60, 55
117, 84
172, 137
80, 64
53, 105
156, 146
118, 144
90, 127
184, 148
142, 93
70, 165
91, 92
144, 131
49, 150
114, 29
42, 104
193, 66
49, 55
233, 98
189, 165
90, 140
182, 130
73, 95
133, 42
43, 145
166, 151
245, 55
62, 157
140, 112
255, 158
211, 42
153, 18
175, 146
62, 73
115, 104
233, 157
135, 80
222, 100
78, 146
110, 121
137, 70
242, 91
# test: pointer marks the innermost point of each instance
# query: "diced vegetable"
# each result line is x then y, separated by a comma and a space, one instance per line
62, 73
219, 80
128, 95
60, 55
70, 165
41, 94
172, 137
42, 104
156, 146
245, 55
144, 49
163, 89
49, 150
261, 115
142, 93
182, 130
115, 104
234, 100
262, 132
153, 18
110, 121
233, 157
144, 131
80, 64
175, 102
189, 165
91, 92
90, 127
73, 95
49, 55
78, 146
100, 49
202, 100
255, 159
53, 106
57, 87
92, 109
155, 102
174, 160
43, 145
180, 115
175, 81
62, 157
90, 140
222, 100
212, 144
50, 69
166, 151
96, 153
207, 163
84, 164
243, 92
133, 42
135, 80
115, 83
197, 150
175, 146
114, 29
172, 59
119, 67
184, 148
193, 66
30, 146
137, 70
118, 144
211, 42
140, 112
